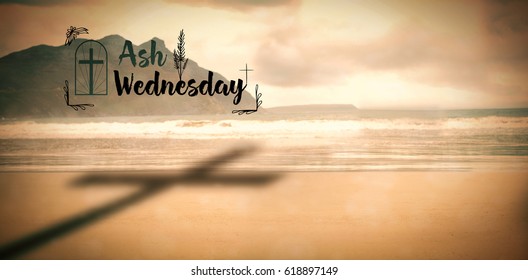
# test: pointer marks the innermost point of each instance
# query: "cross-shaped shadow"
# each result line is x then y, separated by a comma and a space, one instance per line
150, 186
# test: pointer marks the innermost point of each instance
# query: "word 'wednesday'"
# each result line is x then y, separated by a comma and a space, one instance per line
157, 87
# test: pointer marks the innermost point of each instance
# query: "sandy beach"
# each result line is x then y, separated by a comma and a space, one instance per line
304, 215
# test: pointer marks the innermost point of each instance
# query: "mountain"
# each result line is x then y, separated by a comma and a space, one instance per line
313, 108
32, 81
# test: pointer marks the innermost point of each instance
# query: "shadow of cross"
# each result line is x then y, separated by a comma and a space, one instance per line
150, 185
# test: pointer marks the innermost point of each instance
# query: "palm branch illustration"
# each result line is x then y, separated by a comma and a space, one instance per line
73, 32
180, 62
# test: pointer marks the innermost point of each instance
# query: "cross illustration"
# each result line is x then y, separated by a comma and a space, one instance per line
150, 185
258, 95
246, 70
91, 62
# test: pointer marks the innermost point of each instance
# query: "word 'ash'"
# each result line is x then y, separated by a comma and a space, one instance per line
158, 87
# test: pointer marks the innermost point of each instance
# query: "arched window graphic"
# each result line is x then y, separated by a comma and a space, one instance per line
91, 69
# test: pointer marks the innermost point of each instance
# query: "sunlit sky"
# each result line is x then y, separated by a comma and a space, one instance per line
373, 54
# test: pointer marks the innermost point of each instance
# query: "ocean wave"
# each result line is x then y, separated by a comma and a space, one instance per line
226, 129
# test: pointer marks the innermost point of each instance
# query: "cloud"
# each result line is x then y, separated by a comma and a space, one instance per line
23, 26
491, 58
38, 2
506, 16
240, 5
480, 47
507, 31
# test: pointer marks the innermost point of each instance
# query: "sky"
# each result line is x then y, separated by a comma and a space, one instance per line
412, 54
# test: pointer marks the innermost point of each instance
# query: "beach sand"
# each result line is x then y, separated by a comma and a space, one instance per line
303, 215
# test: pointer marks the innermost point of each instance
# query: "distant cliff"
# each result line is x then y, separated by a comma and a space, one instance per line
313, 109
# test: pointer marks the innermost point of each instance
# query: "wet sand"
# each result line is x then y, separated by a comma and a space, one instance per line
304, 215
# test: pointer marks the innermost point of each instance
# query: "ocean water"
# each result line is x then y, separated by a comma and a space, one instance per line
361, 140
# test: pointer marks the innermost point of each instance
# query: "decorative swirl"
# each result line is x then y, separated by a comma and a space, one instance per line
75, 107
258, 102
